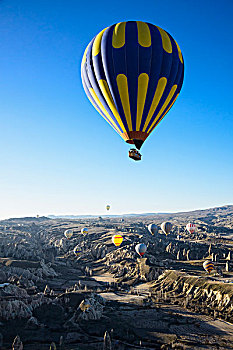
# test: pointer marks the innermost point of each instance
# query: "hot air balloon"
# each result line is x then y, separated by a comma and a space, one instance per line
190, 227
132, 72
117, 240
77, 250
107, 207
153, 229
52, 346
68, 233
84, 231
208, 266
141, 249
166, 227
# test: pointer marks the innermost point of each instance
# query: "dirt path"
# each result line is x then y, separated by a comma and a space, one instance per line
105, 277
123, 297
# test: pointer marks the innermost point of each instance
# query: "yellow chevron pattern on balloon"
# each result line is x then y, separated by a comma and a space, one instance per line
97, 43
163, 115
144, 36
157, 97
105, 114
118, 38
168, 99
122, 84
84, 56
167, 45
108, 97
179, 53
143, 81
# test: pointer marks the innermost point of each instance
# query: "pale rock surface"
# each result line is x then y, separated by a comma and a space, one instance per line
92, 308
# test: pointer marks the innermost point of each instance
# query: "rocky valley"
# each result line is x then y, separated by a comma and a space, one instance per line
107, 296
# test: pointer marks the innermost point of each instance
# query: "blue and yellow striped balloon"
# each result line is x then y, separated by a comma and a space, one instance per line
84, 231
208, 266
132, 72
77, 251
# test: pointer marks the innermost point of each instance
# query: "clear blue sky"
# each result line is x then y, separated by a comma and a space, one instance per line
59, 156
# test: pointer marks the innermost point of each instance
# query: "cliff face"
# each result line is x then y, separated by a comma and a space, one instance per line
15, 303
198, 293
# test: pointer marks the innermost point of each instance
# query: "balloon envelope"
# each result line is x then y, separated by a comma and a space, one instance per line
68, 233
153, 229
117, 240
190, 227
141, 249
107, 207
132, 72
166, 227
84, 231
77, 251
208, 266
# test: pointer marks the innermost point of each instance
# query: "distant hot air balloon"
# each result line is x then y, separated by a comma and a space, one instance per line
52, 346
153, 229
117, 240
77, 250
190, 227
132, 72
107, 207
141, 249
84, 231
166, 227
37, 216
208, 266
68, 233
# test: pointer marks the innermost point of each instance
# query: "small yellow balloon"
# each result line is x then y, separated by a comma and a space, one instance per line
117, 240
